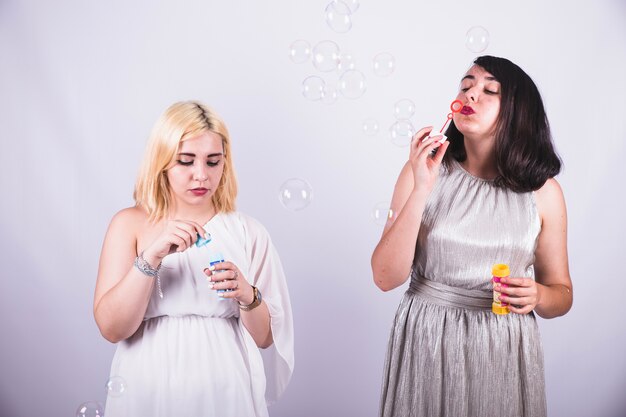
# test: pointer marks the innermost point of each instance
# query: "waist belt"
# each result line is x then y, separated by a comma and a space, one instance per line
447, 296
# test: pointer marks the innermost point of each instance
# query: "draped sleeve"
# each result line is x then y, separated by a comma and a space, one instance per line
265, 272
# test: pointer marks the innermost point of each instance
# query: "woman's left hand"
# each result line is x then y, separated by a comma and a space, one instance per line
226, 276
521, 294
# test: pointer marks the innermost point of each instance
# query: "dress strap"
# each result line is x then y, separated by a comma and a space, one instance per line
447, 296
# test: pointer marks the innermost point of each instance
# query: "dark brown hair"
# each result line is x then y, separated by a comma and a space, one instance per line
525, 154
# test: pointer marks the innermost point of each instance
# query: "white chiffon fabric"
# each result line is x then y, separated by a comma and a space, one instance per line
192, 356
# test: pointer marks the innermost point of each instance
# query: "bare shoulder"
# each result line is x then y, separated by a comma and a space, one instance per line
131, 218
128, 223
550, 199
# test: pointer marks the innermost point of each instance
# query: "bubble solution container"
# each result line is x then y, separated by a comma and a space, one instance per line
216, 258
499, 271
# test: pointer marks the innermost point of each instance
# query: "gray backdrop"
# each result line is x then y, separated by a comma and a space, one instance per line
82, 82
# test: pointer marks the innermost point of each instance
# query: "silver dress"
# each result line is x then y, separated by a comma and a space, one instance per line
448, 354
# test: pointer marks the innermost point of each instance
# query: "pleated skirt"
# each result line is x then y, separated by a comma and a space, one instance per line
449, 360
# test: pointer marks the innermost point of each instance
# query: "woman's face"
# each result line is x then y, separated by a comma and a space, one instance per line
480, 95
197, 170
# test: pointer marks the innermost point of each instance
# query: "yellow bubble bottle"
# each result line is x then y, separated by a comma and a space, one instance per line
499, 271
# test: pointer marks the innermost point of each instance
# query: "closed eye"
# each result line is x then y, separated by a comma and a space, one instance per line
185, 163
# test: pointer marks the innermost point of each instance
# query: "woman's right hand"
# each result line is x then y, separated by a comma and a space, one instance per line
176, 236
425, 166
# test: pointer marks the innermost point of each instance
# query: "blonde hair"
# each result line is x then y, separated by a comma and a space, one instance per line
181, 121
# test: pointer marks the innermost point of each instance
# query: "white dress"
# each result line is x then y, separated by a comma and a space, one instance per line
192, 356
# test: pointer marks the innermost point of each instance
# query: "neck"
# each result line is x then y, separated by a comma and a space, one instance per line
481, 157
198, 214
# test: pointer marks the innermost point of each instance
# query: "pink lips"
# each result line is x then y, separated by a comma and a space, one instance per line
199, 191
466, 110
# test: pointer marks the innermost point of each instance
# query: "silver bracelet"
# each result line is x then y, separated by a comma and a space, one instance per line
142, 265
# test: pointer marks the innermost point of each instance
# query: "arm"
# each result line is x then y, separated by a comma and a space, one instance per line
122, 291
393, 256
550, 295
266, 273
257, 320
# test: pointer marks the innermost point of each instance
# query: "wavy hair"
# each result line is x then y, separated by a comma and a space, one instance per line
181, 121
525, 154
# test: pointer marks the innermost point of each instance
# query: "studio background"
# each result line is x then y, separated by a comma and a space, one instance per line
82, 82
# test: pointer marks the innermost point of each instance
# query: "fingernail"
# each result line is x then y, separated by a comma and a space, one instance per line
212, 268
211, 285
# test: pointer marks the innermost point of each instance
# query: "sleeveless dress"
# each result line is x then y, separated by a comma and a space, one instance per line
192, 356
448, 354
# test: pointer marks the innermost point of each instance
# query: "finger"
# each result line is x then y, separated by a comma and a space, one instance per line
423, 132
518, 282
183, 238
219, 275
516, 291
189, 229
226, 265
518, 301
230, 294
196, 228
521, 310
228, 285
424, 152
438, 157
418, 138
432, 137
177, 241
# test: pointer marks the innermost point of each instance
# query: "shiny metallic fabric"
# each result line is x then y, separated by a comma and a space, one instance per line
448, 354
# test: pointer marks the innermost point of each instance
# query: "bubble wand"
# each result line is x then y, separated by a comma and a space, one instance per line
455, 107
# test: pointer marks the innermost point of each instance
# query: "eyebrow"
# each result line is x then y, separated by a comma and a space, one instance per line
471, 77
211, 155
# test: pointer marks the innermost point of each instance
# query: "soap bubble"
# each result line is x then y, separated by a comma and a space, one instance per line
313, 88
477, 39
382, 212
346, 62
90, 409
300, 51
384, 64
329, 93
370, 126
352, 84
401, 132
338, 16
404, 109
116, 386
326, 56
295, 194
353, 5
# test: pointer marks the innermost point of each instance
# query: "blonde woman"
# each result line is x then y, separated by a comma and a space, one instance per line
188, 330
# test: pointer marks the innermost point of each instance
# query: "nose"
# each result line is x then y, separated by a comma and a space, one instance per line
471, 95
201, 173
